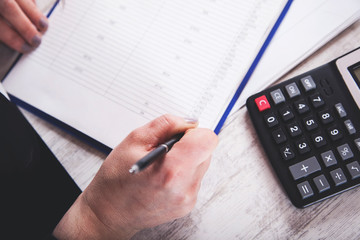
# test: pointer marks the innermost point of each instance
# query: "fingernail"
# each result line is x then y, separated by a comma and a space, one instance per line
43, 24
26, 48
36, 41
190, 120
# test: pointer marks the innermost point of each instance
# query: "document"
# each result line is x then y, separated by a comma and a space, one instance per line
106, 67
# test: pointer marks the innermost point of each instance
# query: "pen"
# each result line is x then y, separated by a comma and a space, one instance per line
154, 154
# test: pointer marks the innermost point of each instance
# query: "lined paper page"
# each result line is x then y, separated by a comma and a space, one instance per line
107, 67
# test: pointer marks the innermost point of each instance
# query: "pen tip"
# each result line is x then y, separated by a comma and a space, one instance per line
134, 169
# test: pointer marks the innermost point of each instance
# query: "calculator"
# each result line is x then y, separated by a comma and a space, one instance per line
309, 127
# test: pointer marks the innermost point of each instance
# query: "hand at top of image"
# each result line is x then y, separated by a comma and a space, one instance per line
21, 24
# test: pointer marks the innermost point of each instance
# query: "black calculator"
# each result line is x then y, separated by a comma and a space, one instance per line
309, 127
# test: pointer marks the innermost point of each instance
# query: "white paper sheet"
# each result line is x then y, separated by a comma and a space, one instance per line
107, 67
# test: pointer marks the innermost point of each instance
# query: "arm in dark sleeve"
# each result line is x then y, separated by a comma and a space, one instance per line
36, 191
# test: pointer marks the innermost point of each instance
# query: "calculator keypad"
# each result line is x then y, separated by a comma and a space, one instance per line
315, 134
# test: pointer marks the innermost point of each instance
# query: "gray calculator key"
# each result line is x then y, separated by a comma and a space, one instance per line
328, 158
357, 143
277, 96
345, 151
321, 183
304, 168
354, 169
292, 90
340, 110
350, 127
305, 189
308, 83
338, 176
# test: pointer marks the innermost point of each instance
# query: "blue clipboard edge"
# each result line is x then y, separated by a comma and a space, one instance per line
253, 66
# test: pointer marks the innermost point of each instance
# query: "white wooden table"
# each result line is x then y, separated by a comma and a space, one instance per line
240, 197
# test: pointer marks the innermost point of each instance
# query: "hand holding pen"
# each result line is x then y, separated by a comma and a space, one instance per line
155, 154
167, 189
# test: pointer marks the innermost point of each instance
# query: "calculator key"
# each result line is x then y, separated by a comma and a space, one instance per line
326, 117
305, 189
328, 158
277, 96
304, 168
279, 136
350, 127
321, 183
340, 110
294, 129
286, 113
302, 146
292, 90
354, 169
262, 103
357, 143
310, 123
316, 100
301, 106
308, 83
287, 153
318, 140
335, 133
338, 176
271, 120
345, 151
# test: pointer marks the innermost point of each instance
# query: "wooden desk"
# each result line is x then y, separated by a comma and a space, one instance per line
240, 197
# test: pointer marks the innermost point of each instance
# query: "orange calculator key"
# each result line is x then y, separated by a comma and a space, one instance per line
262, 103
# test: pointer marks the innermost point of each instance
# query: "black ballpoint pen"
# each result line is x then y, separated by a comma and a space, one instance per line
154, 154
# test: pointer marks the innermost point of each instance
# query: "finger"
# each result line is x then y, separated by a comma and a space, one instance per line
34, 14
197, 177
184, 187
13, 14
202, 169
159, 130
185, 157
12, 39
195, 147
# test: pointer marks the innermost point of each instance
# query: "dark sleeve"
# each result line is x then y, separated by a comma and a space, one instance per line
36, 191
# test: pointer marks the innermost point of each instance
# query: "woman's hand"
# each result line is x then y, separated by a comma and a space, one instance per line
21, 24
117, 204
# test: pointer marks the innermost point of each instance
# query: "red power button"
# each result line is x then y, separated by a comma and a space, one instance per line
262, 103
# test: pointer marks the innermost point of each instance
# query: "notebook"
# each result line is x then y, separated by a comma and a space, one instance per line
107, 67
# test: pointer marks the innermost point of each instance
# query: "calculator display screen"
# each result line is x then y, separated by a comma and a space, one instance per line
355, 72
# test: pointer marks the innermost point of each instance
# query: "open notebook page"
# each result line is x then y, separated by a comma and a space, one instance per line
106, 67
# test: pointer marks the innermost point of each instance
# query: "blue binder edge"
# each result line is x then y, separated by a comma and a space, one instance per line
252, 67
